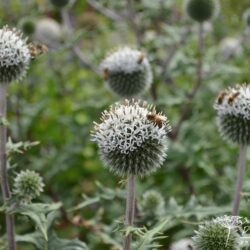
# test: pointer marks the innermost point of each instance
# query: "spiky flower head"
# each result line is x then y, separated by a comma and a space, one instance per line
233, 114
127, 72
59, 3
230, 47
48, 31
202, 10
246, 17
132, 138
153, 201
14, 55
217, 234
28, 185
27, 25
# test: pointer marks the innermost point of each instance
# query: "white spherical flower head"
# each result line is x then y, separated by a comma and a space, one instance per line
127, 72
14, 55
132, 138
49, 32
233, 114
28, 185
230, 47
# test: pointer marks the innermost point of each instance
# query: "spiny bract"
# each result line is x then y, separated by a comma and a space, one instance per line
129, 142
28, 185
14, 55
202, 10
233, 114
220, 233
127, 72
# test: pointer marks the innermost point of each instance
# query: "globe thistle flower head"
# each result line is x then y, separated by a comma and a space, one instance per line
49, 32
202, 10
27, 25
217, 234
246, 17
127, 72
233, 114
153, 201
59, 3
28, 185
132, 138
230, 47
14, 55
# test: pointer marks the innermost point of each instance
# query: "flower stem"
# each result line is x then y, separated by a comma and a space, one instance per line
130, 210
3, 166
240, 178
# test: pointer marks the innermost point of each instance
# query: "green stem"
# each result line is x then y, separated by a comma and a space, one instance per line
240, 179
130, 210
10, 224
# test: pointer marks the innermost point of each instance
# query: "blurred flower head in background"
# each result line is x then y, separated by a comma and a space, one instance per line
49, 32
202, 10
230, 47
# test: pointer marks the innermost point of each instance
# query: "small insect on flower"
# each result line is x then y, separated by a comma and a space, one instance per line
221, 97
232, 98
141, 58
105, 74
37, 50
157, 119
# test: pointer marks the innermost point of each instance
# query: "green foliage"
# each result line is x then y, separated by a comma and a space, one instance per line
43, 216
62, 96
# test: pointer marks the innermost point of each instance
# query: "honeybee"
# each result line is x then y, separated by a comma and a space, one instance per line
157, 119
233, 97
221, 97
141, 58
106, 74
37, 50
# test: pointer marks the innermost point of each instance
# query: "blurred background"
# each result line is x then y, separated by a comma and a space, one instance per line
64, 93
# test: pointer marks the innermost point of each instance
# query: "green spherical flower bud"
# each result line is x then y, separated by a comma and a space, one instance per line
246, 17
28, 185
233, 114
218, 234
132, 138
153, 201
28, 26
59, 3
127, 72
14, 55
202, 10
